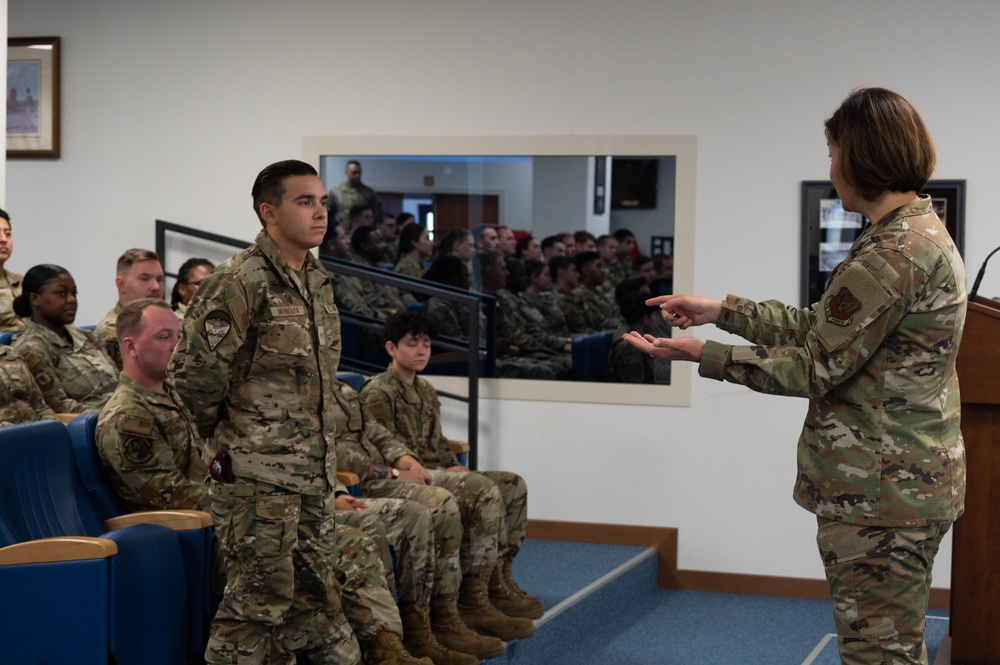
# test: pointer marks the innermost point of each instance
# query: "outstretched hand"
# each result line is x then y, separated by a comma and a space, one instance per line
683, 311
679, 348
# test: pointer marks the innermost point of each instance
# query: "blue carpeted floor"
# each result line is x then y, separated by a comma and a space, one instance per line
627, 620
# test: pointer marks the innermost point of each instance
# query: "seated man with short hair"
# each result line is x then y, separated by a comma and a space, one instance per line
139, 274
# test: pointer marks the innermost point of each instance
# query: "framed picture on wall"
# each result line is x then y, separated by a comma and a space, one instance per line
33, 97
828, 231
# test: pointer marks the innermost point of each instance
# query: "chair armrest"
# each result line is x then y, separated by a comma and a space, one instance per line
458, 447
66, 417
347, 478
178, 520
48, 550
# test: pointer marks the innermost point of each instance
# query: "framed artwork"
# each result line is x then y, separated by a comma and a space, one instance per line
828, 231
33, 97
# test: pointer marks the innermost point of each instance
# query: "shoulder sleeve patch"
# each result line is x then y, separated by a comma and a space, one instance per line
136, 449
852, 301
135, 425
218, 324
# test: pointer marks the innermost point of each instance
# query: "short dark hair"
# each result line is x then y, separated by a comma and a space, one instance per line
36, 277
357, 209
557, 263
269, 186
410, 234
630, 285
130, 317
522, 244
533, 267
403, 217
444, 269
398, 325
883, 143
583, 236
633, 306
550, 241
360, 236
3, 213
449, 240
621, 234
585, 258
639, 261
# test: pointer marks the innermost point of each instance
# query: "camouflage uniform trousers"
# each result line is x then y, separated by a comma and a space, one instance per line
407, 527
374, 529
481, 507
880, 580
514, 492
367, 601
282, 596
445, 574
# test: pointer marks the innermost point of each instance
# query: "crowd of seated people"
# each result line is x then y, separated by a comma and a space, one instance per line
456, 602
548, 292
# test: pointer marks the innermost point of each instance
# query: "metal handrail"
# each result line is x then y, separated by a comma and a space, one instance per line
470, 299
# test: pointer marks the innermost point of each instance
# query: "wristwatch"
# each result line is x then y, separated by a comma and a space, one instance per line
395, 473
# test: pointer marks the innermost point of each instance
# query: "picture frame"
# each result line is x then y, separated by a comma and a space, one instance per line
33, 98
828, 231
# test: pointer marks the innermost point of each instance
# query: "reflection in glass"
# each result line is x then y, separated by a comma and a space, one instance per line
481, 209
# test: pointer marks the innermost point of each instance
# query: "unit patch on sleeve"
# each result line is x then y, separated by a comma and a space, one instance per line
841, 307
217, 326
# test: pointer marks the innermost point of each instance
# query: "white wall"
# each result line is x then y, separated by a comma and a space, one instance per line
170, 110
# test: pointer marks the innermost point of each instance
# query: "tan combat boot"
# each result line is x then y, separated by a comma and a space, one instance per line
508, 597
449, 630
420, 641
478, 614
386, 649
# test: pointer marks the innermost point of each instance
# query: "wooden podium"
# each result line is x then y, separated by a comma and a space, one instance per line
975, 566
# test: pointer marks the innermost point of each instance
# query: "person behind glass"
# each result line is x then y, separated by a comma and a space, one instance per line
189, 278
506, 242
10, 283
456, 242
880, 458
528, 249
70, 365
585, 241
415, 247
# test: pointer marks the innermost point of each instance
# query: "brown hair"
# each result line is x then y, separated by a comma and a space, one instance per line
130, 318
133, 256
884, 144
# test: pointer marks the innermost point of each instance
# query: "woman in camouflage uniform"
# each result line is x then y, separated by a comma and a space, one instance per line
70, 365
880, 458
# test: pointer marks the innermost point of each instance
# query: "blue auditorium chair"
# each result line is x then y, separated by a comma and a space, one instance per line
590, 356
196, 542
59, 602
354, 379
7, 337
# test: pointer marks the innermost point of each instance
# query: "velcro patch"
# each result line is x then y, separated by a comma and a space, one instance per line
135, 425
136, 449
291, 310
841, 307
238, 309
217, 326
379, 410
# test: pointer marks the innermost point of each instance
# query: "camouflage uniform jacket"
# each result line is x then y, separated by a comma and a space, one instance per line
618, 269
74, 376
598, 312
526, 333
876, 357
545, 312
347, 196
412, 413
408, 265
572, 309
361, 440
21, 400
256, 365
105, 332
450, 318
350, 295
149, 446
627, 364
10, 288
